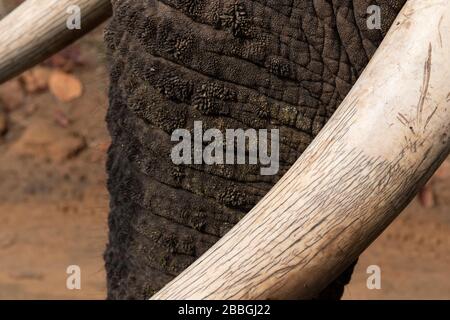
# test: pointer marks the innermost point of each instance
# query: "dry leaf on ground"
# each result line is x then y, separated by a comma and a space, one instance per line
426, 196
42, 139
64, 86
61, 118
444, 170
36, 79
12, 95
66, 59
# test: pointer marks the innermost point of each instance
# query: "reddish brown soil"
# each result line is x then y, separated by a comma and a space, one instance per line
53, 200
54, 205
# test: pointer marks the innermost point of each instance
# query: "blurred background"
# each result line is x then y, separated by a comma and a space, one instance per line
54, 202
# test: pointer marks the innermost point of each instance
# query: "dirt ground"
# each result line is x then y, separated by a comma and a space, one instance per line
54, 203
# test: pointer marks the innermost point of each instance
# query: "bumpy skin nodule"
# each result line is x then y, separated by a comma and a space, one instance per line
284, 64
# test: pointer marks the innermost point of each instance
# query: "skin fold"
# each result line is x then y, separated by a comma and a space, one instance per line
284, 64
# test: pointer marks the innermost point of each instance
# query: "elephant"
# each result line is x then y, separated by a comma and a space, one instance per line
230, 64
227, 64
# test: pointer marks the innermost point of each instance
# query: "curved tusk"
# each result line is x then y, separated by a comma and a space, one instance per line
382, 144
37, 29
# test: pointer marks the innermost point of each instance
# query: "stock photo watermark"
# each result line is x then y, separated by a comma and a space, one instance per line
374, 17
374, 280
73, 22
235, 146
73, 281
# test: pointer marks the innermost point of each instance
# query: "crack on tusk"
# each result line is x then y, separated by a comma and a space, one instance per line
429, 117
425, 86
439, 31
417, 125
403, 120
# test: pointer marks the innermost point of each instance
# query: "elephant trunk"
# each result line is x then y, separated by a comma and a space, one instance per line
37, 29
382, 144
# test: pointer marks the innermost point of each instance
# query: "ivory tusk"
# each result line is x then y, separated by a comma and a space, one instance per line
37, 29
382, 144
